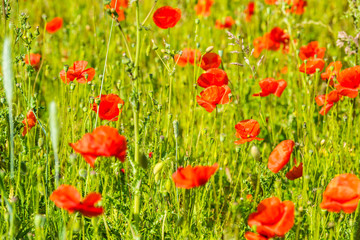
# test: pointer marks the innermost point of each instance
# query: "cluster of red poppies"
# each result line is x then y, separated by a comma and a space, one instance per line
273, 217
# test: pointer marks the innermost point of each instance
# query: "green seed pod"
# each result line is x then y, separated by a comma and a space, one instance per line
197, 21
158, 167
85, 109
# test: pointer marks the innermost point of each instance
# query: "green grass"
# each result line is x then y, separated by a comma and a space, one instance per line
218, 210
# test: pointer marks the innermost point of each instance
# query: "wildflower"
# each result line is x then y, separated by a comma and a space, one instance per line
332, 71
228, 23
271, 41
271, 86
254, 236
203, 7
310, 50
273, 217
79, 72
349, 82
280, 156
247, 131
342, 193
210, 60
34, 60
68, 198
54, 25
249, 11
327, 101
297, 6
103, 141
295, 172
109, 107
166, 17
29, 122
311, 65
212, 96
188, 56
213, 77
191, 177
119, 6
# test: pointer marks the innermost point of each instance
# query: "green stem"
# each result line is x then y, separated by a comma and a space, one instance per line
137, 193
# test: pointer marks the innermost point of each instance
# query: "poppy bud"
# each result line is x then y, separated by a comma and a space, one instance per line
40, 142
159, 107
157, 177
2, 100
197, 21
255, 153
143, 161
72, 86
168, 185
39, 220
176, 128
197, 45
322, 142
83, 173
85, 109
212, 140
97, 101
209, 49
86, 76
237, 149
158, 167
222, 137
221, 53
37, 32
66, 68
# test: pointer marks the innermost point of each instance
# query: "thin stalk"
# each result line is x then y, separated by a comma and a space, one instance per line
137, 192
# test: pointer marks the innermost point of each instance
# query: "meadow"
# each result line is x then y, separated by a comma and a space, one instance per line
206, 119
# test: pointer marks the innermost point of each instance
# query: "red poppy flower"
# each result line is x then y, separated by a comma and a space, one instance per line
271, 86
109, 107
34, 59
280, 156
188, 56
271, 41
332, 71
328, 101
190, 177
247, 131
103, 141
79, 72
203, 7
150, 154
210, 60
249, 11
349, 82
29, 122
68, 198
297, 6
212, 96
295, 172
54, 25
254, 236
310, 50
342, 193
213, 77
311, 65
119, 6
166, 17
273, 217
229, 21
271, 2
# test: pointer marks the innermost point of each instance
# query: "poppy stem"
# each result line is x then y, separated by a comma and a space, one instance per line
137, 192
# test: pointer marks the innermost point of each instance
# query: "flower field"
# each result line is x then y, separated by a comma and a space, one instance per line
188, 119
